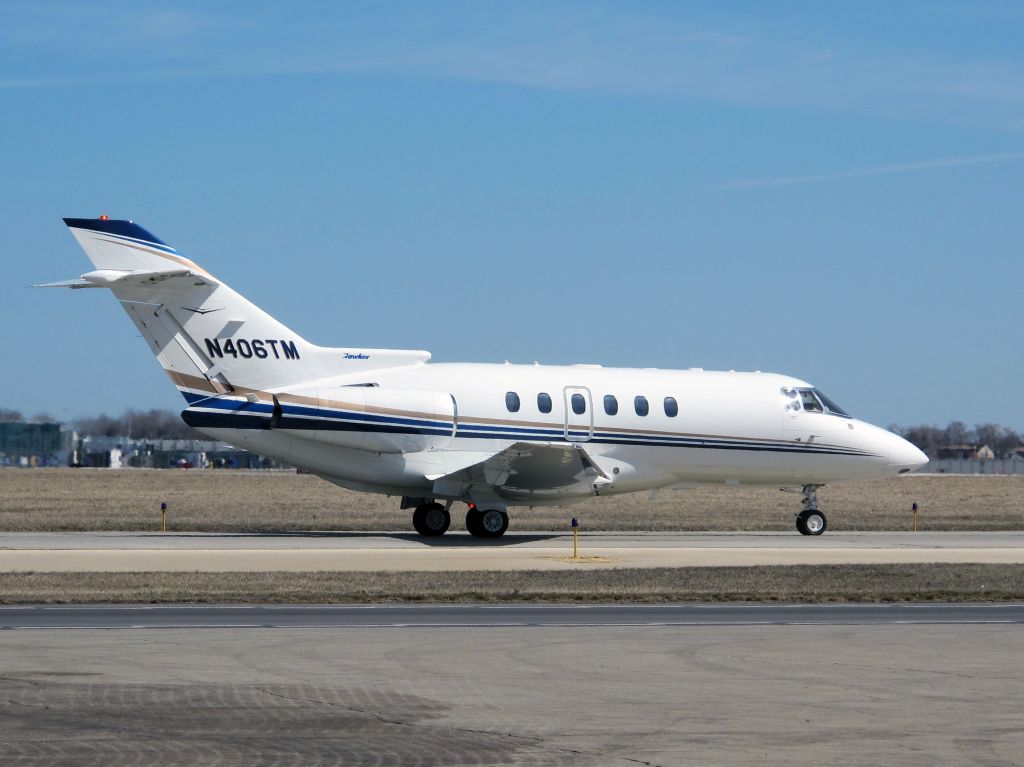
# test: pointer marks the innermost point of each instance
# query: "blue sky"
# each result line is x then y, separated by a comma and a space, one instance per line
834, 191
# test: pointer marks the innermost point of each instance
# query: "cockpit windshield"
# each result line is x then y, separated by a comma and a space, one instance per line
811, 401
831, 406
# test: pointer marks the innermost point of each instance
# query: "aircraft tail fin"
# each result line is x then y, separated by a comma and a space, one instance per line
207, 337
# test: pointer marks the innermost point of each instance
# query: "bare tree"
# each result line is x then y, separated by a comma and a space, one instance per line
927, 438
98, 426
10, 415
1001, 439
930, 439
957, 433
138, 424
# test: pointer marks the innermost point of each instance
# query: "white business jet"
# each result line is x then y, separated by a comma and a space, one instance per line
492, 436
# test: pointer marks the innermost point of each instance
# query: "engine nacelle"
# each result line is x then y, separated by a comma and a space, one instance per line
368, 417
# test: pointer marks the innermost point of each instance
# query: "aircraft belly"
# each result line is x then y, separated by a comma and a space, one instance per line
371, 471
373, 442
379, 470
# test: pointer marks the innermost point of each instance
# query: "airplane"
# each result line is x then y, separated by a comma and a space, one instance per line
492, 436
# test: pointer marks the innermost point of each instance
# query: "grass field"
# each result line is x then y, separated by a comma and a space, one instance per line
263, 501
805, 583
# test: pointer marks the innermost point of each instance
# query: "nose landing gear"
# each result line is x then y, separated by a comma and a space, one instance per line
810, 520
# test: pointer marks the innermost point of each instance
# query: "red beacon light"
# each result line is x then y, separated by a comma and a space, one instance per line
104, 217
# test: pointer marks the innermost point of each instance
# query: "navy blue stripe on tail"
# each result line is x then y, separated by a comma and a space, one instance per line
118, 227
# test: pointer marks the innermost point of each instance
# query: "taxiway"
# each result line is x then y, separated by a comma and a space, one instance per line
349, 551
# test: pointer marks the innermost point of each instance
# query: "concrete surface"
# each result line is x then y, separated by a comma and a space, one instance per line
184, 552
778, 691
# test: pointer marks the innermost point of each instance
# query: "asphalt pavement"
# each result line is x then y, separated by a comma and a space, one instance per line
496, 616
433, 686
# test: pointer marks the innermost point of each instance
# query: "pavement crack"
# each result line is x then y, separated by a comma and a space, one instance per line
21, 679
10, 702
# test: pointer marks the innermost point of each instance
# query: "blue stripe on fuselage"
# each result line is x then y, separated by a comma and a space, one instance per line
311, 418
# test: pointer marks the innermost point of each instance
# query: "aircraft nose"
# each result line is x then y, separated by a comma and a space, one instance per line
904, 456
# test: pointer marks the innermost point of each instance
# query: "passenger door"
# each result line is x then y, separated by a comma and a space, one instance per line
579, 413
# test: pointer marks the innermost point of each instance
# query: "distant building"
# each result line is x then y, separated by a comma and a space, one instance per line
124, 452
966, 453
50, 444
34, 444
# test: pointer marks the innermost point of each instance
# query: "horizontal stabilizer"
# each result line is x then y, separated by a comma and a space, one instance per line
118, 278
73, 284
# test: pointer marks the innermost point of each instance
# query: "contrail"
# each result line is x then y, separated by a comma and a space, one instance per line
874, 170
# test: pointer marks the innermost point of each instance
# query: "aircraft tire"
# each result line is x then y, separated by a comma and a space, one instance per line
473, 523
431, 519
811, 522
493, 523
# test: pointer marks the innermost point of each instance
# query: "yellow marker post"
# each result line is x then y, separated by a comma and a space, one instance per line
913, 509
575, 538
163, 515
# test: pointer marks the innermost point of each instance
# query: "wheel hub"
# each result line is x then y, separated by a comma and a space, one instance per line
434, 519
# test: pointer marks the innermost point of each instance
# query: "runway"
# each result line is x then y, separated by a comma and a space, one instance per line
580, 687
295, 552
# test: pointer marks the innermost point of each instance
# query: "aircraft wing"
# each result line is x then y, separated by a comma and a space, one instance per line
524, 470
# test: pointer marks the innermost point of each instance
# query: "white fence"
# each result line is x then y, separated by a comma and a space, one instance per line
966, 466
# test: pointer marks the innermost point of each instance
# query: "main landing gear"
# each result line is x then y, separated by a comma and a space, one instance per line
432, 519
486, 523
811, 521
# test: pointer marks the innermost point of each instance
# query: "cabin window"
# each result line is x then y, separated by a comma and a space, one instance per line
544, 402
611, 405
579, 404
641, 405
671, 407
512, 401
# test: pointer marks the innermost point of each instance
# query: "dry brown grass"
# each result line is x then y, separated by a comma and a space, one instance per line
805, 583
260, 501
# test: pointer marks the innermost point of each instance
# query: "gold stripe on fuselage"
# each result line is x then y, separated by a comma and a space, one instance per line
205, 385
